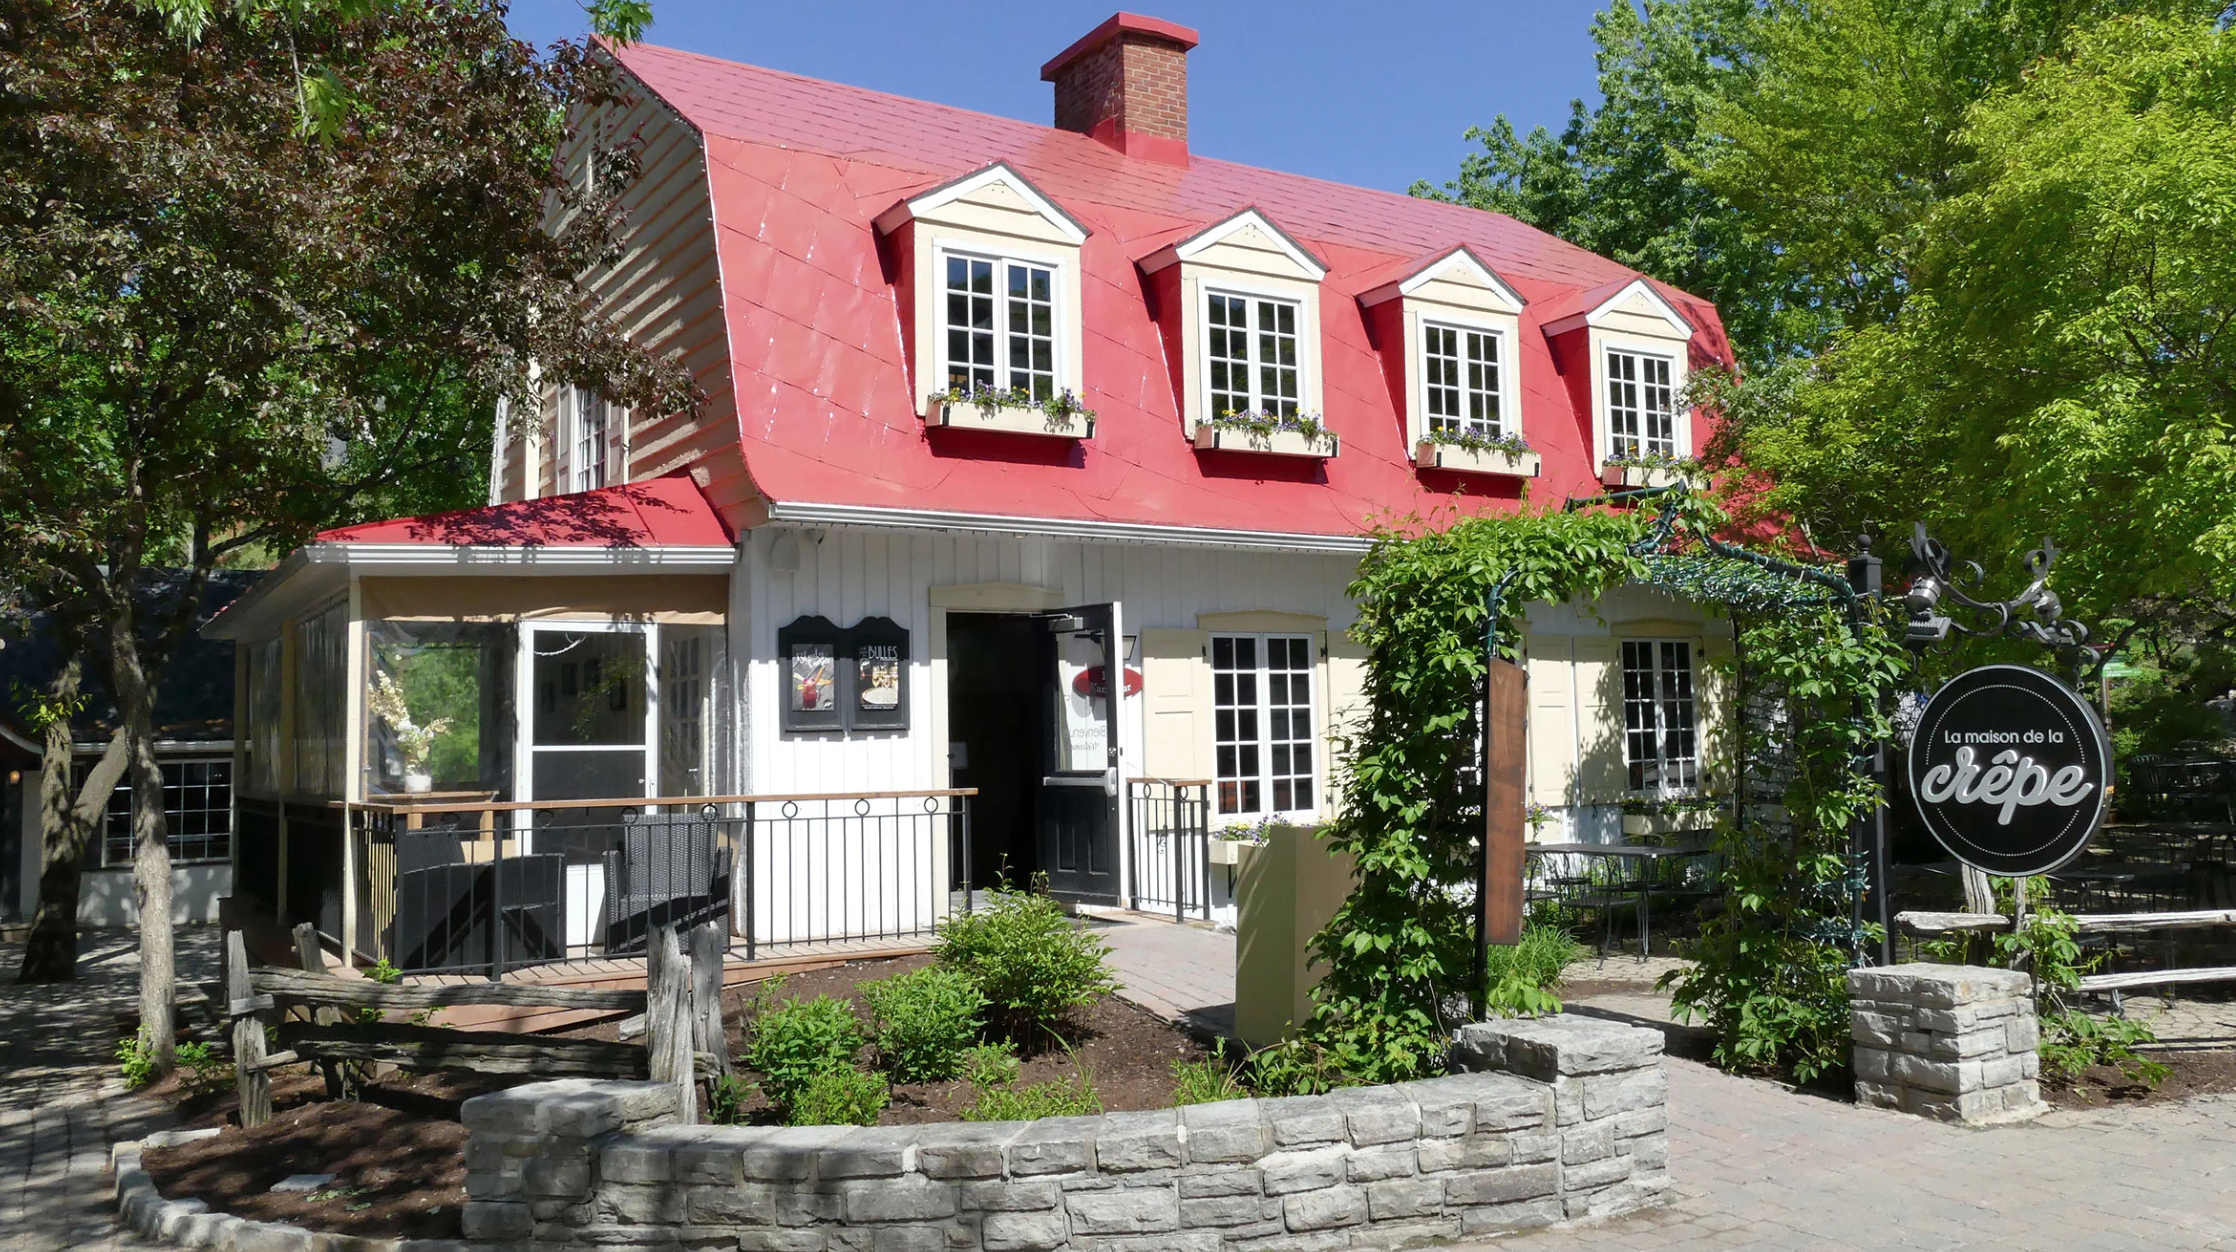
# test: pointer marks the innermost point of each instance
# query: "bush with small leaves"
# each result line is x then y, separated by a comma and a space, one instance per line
922, 1022
1062, 1097
1033, 963
726, 1097
201, 1070
795, 1042
136, 1060
989, 1064
1206, 1081
839, 1097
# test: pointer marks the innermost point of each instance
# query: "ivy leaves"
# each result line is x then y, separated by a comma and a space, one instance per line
1400, 950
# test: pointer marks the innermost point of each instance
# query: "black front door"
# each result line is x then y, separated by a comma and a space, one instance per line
1080, 787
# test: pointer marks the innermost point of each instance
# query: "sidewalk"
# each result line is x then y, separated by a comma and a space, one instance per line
1757, 1166
61, 1102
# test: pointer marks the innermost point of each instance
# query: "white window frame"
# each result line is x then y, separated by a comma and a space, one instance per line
1250, 296
98, 844
1509, 414
525, 747
1667, 738
1606, 401
1265, 741
572, 469
1058, 295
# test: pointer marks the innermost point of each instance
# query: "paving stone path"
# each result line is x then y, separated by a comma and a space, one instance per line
61, 1102
1757, 1166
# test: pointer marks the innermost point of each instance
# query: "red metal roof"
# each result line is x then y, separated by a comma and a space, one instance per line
799, 168
655, 512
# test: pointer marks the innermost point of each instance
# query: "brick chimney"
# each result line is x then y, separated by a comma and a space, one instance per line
1125, 83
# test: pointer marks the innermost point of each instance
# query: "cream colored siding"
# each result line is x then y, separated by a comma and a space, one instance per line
665, 292
1552, 720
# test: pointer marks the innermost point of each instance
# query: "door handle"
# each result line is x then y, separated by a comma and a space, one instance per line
1072, 780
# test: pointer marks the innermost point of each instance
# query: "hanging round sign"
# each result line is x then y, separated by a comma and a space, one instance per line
2011, 770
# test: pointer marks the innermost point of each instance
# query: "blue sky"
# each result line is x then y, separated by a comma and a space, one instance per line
1370, 93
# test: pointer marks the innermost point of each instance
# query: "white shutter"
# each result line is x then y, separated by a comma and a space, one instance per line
1601, 774
1552, 719
1176, 694
1345, 702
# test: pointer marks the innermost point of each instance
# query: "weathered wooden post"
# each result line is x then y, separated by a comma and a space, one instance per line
708, 948
341, 1079
668, 1020
244, 1006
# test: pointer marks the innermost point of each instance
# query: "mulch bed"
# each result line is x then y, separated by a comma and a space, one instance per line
2195, 1073
398, 1157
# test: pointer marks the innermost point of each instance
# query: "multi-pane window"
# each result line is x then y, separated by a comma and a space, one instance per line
1641, 414
1460, 369
1001, 325
1659, 729
586, 459
1262, 712
1251, 354
197, 811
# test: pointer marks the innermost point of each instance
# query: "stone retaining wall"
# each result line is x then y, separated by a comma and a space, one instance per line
1562, 1117
1956, 1043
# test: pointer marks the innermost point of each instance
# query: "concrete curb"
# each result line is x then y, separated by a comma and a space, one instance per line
191, 1224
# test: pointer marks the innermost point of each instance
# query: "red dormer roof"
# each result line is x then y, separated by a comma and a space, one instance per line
669, 511
826, 409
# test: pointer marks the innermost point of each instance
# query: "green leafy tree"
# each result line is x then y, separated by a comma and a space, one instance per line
2059, 364
219, 334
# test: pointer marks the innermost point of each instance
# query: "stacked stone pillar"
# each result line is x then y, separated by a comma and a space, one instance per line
1956, 1043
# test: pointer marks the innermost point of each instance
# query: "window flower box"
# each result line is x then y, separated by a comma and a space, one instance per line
1656, 473
1010, 412
1461, 459
1228, 851
1227, 435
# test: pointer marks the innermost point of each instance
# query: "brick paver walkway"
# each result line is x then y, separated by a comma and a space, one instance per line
61, 1102
1756, 1166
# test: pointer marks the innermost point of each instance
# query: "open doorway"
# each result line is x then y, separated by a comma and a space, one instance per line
996, 728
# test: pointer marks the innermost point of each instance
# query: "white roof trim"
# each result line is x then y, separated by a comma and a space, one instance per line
999, 172
1597, 314
315, 570
1462, 258
1195, 245
1064, 528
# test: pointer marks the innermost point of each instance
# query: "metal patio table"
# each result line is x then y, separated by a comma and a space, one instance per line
1643, 885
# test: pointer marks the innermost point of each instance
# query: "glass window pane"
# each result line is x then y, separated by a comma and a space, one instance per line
589, 687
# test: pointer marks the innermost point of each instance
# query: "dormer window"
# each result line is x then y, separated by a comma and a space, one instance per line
1000, 325
990, 297
1239, 307
1251, 358
1461, 379
1450, 325
1641, 406
1635, 342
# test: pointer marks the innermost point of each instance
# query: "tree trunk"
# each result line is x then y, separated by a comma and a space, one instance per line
151, 847
67, 819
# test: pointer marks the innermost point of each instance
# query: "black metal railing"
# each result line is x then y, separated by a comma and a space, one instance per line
1169, 847
491, 887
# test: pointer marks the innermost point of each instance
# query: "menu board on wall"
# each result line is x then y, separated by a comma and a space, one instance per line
809, 650
814, 679
877, 673
836, 680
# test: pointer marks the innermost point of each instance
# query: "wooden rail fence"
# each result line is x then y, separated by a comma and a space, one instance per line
1929, 924
678, 1014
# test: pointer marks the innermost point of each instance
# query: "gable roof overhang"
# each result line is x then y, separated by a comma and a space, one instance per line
1197, 244
1414, 275
1591, 308
1002, 172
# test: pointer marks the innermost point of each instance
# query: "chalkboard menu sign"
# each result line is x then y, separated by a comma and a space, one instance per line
840, 680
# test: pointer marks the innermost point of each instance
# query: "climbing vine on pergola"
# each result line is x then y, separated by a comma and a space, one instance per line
1398, 954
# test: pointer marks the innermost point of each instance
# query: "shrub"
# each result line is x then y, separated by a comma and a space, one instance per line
2072, 1041
136, 1060
1032, 963
1522, 977
797, 1041
839, 1097
726, 1097
923, 1021
989, 1065
1206, 1081
201, 1070
1061, 1097
1298, 1065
